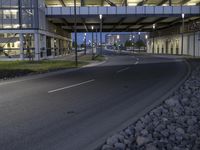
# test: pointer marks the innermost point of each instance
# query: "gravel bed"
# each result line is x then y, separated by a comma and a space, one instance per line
173, 125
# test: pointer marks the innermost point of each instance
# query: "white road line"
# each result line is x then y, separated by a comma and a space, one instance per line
124, 69
71, 86
137, 62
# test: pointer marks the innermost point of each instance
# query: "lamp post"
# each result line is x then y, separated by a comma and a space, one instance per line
133, 42
182, 32
118, 37
96, 41
139, 40
101, 24
154, 27
146, 37
92, 43
85, 42
75, 31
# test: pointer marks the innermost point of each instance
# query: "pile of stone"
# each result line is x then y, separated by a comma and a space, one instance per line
174, 125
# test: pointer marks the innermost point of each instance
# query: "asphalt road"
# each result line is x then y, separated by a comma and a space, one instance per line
79, 109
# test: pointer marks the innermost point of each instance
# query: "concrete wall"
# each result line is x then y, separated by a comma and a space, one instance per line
172, 44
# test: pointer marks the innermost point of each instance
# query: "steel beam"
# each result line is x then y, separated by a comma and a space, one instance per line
82, 2
136, 23
62, 3
154, 22
110, 3
118, 24
84, 24
124, 3
102, 2
184, 2
162, 2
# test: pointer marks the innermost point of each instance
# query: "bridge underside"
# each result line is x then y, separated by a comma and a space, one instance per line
119, 23
122, 19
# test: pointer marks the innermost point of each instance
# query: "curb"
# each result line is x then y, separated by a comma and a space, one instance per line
149, 108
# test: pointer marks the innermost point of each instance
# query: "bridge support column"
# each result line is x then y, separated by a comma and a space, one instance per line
44, 46
37, 46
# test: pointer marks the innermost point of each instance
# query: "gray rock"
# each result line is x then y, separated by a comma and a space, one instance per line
142, 140
107, 147
120, 146
185, 100
150, 147
119, 137
172, 102
191, 121
127, 142
160, 127
112, 140
165, 133
144, 132
176, 148
180, 131
139, 126
129, 132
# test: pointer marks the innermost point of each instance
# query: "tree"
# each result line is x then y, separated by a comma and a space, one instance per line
128, 43
74, 44
140, 43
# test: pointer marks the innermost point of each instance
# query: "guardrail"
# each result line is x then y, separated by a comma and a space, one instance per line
122, 10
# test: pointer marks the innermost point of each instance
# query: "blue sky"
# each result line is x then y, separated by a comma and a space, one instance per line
80, 37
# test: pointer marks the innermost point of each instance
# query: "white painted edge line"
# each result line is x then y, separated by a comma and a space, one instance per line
71, 86
124, 69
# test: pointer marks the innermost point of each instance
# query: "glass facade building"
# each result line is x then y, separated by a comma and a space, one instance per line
25, 31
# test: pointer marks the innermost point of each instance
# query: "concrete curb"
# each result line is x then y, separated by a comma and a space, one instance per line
149, 108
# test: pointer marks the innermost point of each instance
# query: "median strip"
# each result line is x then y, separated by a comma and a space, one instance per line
71, 86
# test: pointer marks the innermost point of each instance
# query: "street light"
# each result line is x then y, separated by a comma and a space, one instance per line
118, 39
85, 42
75, 31
182, 33
146, 37
154, 27
101, 24
92, 43
133, 42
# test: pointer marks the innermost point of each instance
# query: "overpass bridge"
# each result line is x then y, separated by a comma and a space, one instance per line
45, 26
121, 18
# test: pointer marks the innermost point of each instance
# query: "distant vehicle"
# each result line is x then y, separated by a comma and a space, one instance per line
110, 47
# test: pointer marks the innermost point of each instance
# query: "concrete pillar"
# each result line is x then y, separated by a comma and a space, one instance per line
58, 46
37, 46
198, 43
52, 47
44, 45
21, 39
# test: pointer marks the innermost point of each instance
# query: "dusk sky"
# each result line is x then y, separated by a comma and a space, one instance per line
80, 36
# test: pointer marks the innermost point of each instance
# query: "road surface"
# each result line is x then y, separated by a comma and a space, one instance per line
79, 109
